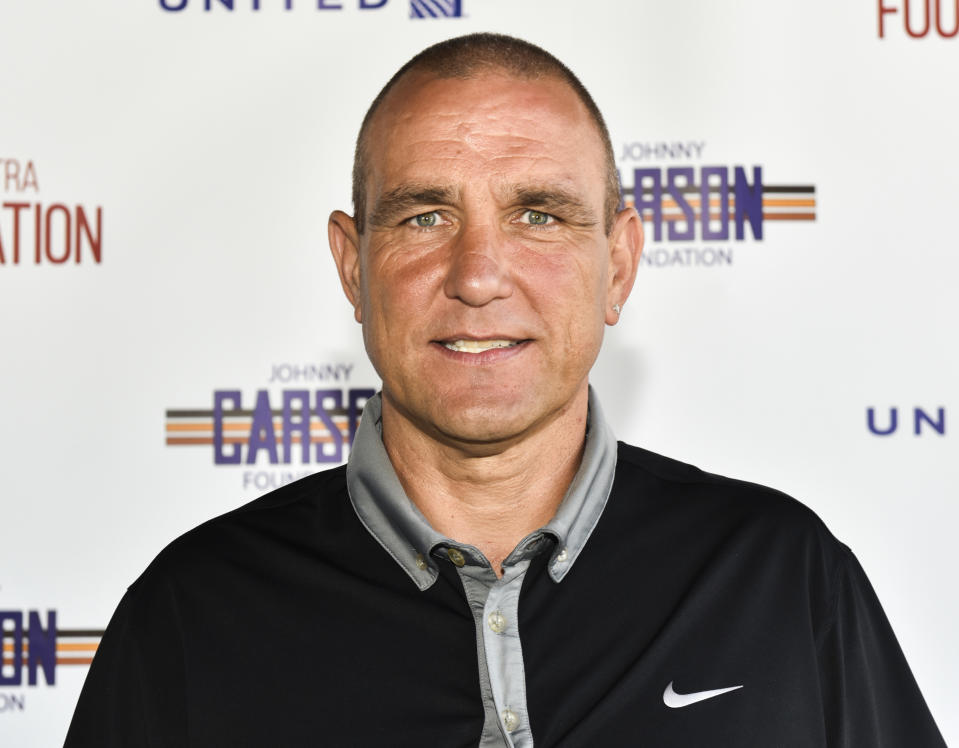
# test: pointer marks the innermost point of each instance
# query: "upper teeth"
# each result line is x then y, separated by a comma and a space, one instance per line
478, 346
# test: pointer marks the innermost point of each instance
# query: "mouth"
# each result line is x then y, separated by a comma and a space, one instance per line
478, 346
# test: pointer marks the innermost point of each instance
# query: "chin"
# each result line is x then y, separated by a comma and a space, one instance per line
484, 423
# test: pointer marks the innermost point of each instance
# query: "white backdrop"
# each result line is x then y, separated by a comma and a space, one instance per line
214, 143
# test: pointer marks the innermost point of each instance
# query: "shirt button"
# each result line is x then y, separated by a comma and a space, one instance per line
497, 622
420, 562
562, 556
510, 720
456, 556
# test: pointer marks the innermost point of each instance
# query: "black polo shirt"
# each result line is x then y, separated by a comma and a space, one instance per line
287, 623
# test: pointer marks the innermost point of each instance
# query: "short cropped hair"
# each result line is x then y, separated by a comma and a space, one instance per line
466, 57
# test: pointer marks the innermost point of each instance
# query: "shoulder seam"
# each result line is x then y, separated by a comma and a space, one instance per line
322, 477
834, 583
697, 476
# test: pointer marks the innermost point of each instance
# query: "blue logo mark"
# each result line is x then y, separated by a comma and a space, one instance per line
436, 8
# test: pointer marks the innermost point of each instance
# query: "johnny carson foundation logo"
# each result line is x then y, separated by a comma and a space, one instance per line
34, 232
307, 416
33, 649
694, 213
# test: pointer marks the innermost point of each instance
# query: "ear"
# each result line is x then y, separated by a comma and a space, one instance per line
625, 248
345, 246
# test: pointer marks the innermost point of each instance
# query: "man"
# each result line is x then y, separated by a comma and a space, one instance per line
491, 568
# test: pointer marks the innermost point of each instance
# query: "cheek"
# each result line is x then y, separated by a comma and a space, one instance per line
571, 284
398, 287
577, 296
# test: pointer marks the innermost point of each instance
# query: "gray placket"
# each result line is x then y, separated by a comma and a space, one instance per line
494, 603
393, 520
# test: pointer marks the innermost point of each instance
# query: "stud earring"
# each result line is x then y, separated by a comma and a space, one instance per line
617, 308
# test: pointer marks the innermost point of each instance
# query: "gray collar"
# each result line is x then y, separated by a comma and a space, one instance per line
394, 521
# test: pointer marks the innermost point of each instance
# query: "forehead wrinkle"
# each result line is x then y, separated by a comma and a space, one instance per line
501, 151
508, 140
423, 155
467, 138
459, 122
484, 131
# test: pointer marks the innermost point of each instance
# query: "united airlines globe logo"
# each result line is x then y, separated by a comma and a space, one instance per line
436, 8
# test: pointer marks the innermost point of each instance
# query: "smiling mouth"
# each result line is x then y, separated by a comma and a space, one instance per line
479, 346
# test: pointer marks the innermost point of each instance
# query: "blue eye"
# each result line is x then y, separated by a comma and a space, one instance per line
425, 220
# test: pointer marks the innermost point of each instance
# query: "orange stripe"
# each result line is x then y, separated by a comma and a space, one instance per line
784, 202
779, 202
245, 426
173, 441
61, 647
77, 646
769, 202
8, 661
675, 218
732, 215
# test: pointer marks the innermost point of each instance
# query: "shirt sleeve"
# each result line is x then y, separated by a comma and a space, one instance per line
135, 692
870, 697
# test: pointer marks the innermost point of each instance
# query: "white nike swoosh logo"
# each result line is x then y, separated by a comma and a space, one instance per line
675, 700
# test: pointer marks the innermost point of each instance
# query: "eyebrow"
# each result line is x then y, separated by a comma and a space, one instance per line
408, 199
555, 200
401, 202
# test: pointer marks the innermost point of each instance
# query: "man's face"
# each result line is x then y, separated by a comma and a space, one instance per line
484, 276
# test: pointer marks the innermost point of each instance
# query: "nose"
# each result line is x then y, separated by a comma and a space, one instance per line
479, 270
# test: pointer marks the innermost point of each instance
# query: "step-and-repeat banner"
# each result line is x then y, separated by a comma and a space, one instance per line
169, 309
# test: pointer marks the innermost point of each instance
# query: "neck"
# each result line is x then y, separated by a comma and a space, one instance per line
494, 497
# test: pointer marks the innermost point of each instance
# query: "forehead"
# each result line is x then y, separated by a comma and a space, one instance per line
491, 126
